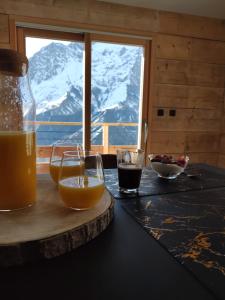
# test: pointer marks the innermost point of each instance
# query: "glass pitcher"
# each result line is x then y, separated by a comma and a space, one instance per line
17, 133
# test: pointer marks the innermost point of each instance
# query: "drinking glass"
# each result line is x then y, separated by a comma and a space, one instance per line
129, 164
82, 186
56, 156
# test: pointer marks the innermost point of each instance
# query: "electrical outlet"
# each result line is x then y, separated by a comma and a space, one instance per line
160, 112
172, 112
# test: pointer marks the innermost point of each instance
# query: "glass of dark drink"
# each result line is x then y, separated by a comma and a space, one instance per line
129, 164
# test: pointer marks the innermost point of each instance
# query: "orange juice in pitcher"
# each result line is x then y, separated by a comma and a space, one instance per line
17, 136
17, 170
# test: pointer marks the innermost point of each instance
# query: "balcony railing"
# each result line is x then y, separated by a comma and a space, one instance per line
44, 152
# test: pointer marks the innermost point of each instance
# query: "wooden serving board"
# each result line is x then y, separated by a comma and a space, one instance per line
48, 228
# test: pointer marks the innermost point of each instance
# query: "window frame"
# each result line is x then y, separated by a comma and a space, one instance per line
88, 38
144, 108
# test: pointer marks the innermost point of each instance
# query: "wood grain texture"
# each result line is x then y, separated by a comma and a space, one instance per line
124, 18
222, 124
208, 51
188, 124
5, 46
189, 73
182, 96
170, 142
221, 160
183, 142
202, 142
195, 121
48, 229
222, 144
194, 49
205, 157
191, 26
92, 13
190, 79
173, 47
4, 29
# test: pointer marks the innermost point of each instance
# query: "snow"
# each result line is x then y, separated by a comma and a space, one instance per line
111, 73
46, 105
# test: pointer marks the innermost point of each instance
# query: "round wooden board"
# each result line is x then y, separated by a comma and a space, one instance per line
48, 229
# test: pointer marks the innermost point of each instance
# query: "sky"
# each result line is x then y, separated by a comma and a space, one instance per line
33, 45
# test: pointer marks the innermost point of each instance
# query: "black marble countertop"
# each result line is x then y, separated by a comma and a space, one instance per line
206, 177
186, 216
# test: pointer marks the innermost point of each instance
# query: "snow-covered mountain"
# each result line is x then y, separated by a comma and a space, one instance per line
57, 80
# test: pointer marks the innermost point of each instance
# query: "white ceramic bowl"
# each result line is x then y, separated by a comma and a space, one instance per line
168, 167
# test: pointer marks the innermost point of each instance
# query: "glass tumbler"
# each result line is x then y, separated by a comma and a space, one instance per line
56, 156
130, 165
83, 187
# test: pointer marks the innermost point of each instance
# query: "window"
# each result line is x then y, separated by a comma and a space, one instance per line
88, 87
56, 78
116, 72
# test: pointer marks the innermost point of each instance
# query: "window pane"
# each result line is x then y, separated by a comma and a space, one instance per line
116, 95
56, 77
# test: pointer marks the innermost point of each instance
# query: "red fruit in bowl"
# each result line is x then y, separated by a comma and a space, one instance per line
157, 158
166, 166
181, 162
166, 159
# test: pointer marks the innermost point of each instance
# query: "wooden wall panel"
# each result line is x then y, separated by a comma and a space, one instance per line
189, 77
5, 46
222, 145
189, 114
207, 51
55, 10
123, 16
169, 142
173, 47
202, 142
119, 18
4, 29
194, 49
182, 96
222, 127
207, 158
185, 125
189, 73
221, 161
183, 142
191, 26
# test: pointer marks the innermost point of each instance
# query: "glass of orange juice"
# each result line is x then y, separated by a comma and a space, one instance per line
56, 156
83, 188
